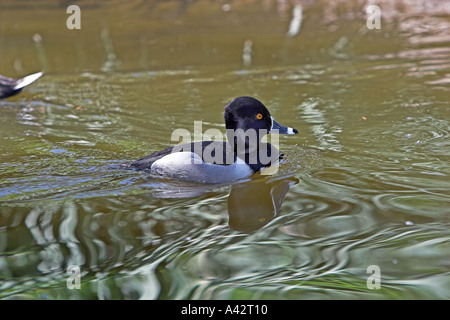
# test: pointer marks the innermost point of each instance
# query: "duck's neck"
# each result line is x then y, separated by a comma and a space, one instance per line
263, 156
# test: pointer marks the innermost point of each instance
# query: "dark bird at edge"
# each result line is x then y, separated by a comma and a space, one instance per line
10, 87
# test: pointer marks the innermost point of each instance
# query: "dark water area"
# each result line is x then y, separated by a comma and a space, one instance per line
365, 182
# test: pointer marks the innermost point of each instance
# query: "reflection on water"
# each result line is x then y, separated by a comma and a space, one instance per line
53, 236
364, 183
253, 204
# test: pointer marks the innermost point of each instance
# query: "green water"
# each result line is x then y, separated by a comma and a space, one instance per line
366, 181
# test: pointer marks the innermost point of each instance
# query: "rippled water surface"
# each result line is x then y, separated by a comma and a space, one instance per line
365, 183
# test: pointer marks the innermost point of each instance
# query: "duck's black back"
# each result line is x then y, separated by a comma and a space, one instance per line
205, 149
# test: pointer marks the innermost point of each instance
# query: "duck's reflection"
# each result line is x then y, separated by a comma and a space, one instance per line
97, 232
253, 204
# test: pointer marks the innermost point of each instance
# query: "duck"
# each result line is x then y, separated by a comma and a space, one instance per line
247, 121
10, 87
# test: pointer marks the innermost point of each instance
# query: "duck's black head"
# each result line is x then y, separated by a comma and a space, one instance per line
249, 113
247, 121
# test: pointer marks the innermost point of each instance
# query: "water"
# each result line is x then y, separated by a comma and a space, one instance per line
365, 183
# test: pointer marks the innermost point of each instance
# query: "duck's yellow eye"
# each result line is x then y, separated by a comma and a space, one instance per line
259, 116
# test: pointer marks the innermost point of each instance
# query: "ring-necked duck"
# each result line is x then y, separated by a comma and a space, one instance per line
10, 87
247, 121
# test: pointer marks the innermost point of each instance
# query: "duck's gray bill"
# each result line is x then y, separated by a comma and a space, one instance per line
282, 129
